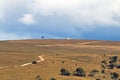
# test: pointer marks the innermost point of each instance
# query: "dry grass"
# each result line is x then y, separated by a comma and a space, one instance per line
74, 53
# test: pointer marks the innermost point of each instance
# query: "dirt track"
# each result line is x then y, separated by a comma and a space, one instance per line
26, 64
40, 57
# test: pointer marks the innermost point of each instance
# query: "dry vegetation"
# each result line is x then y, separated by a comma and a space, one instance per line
68, 54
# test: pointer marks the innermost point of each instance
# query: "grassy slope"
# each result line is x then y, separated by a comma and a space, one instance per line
72, 52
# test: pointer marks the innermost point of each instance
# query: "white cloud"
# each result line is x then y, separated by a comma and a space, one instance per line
81, 12
10, 36
84, 12
2, 3
13, 8
27, 19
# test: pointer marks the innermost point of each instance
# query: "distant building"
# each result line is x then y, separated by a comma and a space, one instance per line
68, 38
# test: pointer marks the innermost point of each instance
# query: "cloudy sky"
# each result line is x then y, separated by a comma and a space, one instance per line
77, 19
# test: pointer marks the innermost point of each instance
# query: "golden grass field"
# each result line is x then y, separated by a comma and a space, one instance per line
86, 54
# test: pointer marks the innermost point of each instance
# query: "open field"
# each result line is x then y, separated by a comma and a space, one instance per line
68, 54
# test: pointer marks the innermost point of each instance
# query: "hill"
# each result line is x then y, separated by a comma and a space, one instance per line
68, 54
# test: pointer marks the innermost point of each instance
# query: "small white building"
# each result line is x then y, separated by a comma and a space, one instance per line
68, 38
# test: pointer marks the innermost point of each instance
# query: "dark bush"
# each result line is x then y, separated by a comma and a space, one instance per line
79, 72
114, 75
110, 62
63, 62
62, 70
111, 66
104, 62
118, 66
53, 79
93, 72
113, 59
103, 71
34, 62
65, 72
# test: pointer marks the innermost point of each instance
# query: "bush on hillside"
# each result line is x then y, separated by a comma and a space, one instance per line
114, 75
34, 62
111, 66
104, 62
93, 72
118, 66
79, 72
113, 59
65, 72
103, 71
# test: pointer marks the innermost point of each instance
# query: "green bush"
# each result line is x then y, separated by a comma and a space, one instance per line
65, 72
111, 66
114, 75
113, 59
79, 72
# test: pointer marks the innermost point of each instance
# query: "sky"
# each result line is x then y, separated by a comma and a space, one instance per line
60, 19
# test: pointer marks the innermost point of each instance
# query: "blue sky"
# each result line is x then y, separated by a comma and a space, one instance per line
76, 19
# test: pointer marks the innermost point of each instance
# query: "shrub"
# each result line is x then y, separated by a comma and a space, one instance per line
53, 79
103, 71
118, 66
62, 70
63, 62
65, 72
114, 75
104, 62
93, 72
111, 66
34, 62
79, 72
113, 59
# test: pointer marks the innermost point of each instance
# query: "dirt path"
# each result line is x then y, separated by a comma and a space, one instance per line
26, 64
89, 42
83, 43
40, 57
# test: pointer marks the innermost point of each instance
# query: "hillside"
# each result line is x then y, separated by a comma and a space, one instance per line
68, 54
